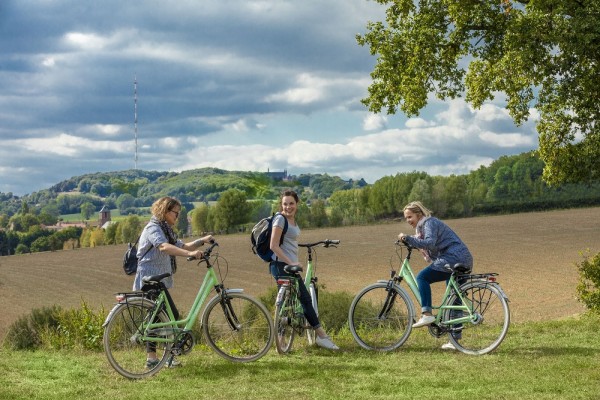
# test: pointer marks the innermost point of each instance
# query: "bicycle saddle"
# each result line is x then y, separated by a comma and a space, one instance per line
458, 267
155, 278
292, 269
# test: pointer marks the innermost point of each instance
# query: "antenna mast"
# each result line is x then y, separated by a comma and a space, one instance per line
135, 117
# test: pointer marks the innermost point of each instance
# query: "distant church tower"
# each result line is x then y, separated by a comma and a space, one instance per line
104, 216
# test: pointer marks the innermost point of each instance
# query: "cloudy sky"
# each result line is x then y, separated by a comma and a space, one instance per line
233, 84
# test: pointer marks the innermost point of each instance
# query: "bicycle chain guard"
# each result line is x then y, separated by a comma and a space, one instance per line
437, 331
184, 344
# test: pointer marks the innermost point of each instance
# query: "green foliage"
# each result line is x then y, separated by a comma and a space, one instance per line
77, 328
333, 309
27, 331
540, 54
55, 328
231, 210
588, 287
87, 210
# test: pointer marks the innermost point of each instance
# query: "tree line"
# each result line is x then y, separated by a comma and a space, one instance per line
510, 184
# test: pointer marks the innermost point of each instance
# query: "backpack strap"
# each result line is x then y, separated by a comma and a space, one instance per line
285, 228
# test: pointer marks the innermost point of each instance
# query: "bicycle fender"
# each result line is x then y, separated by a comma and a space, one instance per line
234, 290
110, 315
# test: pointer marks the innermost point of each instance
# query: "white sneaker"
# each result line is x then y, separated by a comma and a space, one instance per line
326, 343
424, 321
448, 346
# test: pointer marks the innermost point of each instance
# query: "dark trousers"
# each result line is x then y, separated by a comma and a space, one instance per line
277, 271
151, 346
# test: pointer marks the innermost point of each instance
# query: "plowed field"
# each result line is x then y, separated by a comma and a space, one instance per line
534, 253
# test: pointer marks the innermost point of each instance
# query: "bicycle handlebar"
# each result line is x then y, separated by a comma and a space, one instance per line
325, 243
206, 252
403, 243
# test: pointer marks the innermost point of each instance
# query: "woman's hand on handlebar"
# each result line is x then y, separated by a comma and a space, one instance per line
402, 237
195, 255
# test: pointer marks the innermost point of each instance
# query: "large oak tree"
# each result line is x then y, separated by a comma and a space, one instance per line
542, 54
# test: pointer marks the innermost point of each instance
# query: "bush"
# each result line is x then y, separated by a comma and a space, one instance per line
27, 331
333, 310
588, 288
53, 327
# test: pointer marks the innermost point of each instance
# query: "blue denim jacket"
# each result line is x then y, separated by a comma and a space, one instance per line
443, 245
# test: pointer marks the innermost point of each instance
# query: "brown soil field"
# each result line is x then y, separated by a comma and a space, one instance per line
534, 253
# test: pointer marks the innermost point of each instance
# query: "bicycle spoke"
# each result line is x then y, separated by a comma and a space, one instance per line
491, 320
123, 344
380, 319
239, 330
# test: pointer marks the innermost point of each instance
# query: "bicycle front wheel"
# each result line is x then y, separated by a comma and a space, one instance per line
491, 319
314, 296
123, 344
237, 327
381, 318
284, 320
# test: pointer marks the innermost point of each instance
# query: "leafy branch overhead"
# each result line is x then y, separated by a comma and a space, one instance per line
541, 54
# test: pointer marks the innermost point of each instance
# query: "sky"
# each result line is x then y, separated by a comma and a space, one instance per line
241, 85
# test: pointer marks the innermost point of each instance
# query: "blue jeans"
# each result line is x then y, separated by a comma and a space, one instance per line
309, 312
425, 278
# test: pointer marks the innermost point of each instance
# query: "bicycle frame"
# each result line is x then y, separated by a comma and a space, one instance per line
406, 274
210, 281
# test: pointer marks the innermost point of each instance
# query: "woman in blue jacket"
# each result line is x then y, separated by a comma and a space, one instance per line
440, 246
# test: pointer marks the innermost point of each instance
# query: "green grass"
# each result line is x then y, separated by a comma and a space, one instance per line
547, 360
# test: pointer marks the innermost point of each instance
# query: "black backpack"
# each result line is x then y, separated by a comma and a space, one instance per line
130, 259
261, 237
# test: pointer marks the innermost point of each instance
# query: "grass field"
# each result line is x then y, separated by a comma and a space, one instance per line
549, 360
551, 351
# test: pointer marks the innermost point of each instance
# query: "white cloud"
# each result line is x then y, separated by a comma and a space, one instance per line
507, 139
374, 122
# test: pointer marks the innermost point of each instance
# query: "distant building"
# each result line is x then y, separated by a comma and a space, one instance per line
104, 216
278, 176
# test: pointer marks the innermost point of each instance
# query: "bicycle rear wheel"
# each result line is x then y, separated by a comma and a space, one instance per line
314, 296
123, 344
284, 320
381, 318
492, 319
237, 327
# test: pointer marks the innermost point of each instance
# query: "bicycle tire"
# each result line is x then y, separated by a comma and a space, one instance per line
489, 330
284, 320
381, 318
125, 351
237, 327
314, 296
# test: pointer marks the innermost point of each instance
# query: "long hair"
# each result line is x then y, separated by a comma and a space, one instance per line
418, 208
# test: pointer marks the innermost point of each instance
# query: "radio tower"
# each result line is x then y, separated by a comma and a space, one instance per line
135, 117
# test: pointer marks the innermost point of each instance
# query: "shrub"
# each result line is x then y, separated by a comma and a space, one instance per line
588, 288
333, 309
76, 328
53, 327
27, 331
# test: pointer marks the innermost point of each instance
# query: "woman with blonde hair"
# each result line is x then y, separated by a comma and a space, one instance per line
440, 246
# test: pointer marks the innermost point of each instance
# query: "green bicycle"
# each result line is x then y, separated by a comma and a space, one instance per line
236, 326
473, 313
289, 315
